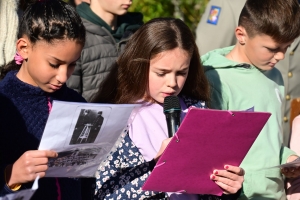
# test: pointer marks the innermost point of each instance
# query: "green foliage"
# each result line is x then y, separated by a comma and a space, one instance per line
153, 9
190, 11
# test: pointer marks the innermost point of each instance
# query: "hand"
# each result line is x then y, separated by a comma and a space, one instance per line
291, 172
230, 179
163, 146
28, 167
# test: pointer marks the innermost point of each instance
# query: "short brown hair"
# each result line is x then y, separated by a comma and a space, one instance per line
156, 36
278, 19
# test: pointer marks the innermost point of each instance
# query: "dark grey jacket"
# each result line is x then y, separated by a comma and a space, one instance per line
99, 53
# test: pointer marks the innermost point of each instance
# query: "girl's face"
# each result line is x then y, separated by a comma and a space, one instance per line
49, 65
167, 74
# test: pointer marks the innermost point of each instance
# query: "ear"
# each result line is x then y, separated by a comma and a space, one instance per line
23, 45
241, 35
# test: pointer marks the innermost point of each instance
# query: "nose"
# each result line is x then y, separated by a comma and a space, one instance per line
62, 74
279, 55
172, 81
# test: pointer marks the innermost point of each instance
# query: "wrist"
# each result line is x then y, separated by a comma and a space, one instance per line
292, 158
8, 179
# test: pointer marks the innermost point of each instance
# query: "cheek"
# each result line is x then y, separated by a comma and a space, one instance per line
70, 71
181, 81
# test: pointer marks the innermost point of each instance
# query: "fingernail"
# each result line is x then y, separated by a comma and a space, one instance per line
212, 177
216, 172
226, 166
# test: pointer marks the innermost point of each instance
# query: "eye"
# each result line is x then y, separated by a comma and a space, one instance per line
182, 73
160, 74
54, 65
272, 50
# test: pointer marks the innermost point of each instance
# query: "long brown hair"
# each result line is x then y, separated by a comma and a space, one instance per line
128, 80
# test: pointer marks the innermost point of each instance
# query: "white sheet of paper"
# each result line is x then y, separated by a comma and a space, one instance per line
83, 134
23, 194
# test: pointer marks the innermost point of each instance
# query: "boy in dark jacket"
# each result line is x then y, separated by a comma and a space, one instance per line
108, 27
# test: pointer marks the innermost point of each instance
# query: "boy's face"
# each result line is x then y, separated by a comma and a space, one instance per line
115, 7
263, 52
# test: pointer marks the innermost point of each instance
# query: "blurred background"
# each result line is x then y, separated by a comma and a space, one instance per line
190, 11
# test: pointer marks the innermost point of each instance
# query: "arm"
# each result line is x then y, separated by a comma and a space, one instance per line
4, 189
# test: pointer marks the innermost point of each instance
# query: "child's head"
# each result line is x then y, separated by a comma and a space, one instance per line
50, 39
114, 7
160, 59
266, 28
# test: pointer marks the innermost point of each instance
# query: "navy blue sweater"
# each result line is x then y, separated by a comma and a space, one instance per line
23, 115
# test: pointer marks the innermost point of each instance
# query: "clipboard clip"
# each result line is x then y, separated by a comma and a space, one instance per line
232, 114
177, 138
160, 164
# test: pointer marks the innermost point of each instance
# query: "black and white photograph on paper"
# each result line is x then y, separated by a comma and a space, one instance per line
87, 127
76, 157
83, 134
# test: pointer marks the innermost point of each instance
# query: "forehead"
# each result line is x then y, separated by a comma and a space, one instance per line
60, 49
269, 41
177, 53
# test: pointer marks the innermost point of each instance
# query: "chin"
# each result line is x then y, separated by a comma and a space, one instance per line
123, 12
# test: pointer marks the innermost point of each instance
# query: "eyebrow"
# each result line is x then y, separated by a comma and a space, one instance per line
167, 70
63, 61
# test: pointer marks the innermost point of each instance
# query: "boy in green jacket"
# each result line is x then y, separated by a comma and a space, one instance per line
239, 81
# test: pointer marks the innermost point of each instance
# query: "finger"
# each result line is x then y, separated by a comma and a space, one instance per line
40, 153
226, 188
40, 161
226, 181
41, 174
45, 153
41, 168
287, 173
31, 162
226, 174
237, 170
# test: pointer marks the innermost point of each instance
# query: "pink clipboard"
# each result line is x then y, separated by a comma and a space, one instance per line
206, 140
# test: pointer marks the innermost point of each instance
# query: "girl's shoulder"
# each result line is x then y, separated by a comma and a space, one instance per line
193, 102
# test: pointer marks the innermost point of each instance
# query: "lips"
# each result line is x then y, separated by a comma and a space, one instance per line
168, 93
55, 87
126, 6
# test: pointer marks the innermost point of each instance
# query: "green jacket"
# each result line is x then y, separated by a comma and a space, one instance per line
240, 86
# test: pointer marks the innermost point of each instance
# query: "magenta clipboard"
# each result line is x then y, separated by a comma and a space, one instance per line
206, 140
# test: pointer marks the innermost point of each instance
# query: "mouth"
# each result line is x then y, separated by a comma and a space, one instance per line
272, 64
168, 94
126, 6
55, 87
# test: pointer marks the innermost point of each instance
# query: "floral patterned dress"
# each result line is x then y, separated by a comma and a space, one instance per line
123, 173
